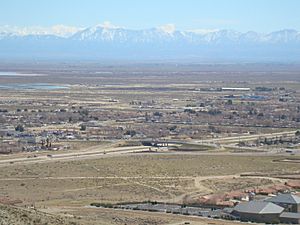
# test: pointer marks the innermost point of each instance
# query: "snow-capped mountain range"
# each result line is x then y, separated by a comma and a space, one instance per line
100, 33
103, 41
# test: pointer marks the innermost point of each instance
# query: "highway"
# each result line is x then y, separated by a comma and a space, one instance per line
73, 155
109, 151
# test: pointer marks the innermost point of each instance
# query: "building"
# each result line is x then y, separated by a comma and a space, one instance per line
235, 89
290, 202
288, 218
258, 211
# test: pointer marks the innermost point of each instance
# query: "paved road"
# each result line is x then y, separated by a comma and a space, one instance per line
245, 137
74, 155
120, 152
105, 151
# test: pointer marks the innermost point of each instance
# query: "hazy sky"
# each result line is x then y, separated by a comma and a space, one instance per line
241, 15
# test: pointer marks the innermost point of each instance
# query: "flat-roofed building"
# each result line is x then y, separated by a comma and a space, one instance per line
235, 89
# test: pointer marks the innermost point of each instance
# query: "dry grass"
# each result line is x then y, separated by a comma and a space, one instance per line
221, 186
140, 177
102, 216
17, 216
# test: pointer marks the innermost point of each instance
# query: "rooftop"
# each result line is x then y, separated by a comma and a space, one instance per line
290, 215
285, 198
258, 207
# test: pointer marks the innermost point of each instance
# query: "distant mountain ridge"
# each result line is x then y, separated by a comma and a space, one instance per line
152, 35
101, 42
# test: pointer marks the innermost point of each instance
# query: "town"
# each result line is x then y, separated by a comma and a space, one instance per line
187, 112
206, 147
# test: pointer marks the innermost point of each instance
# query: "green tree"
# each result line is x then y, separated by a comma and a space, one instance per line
19, 128
82, 127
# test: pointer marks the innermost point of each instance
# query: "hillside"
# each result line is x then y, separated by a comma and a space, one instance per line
11, 215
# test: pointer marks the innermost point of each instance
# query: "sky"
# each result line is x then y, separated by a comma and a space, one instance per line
240, 15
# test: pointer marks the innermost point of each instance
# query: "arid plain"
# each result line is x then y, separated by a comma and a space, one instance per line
85, 133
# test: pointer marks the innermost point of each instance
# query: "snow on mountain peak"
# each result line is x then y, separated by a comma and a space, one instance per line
168, 28
108, 25
58, 30
108, 32
203, 31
